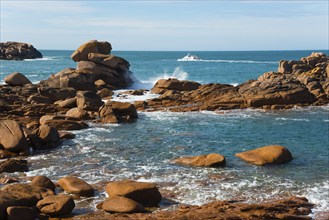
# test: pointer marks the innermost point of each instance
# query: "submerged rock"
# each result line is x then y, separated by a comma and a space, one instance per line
18, 51
273, 154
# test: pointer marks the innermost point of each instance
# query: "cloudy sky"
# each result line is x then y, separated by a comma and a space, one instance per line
168, 25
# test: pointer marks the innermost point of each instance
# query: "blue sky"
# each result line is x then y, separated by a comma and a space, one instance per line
168, 25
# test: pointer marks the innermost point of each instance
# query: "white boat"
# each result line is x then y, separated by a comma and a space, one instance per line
189, 57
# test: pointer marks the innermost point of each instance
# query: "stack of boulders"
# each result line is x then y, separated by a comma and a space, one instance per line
18, 51
37, 199
303, 82
96, 69
129, 196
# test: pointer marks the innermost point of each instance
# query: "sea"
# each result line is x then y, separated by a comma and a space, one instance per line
144, 150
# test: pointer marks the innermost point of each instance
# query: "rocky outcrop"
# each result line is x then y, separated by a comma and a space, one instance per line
281, 209
94, 64
74, 185
16, 79
273, 154
303, 82
18, 51
207, 160
144, 193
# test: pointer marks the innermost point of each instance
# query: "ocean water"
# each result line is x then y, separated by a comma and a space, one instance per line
144, 150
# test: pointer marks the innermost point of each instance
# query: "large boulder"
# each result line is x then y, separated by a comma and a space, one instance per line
118, 112
207, 160
56, 205
119, 204
42, 181
16, 79
48, 134
276, 89
75, 185
12, 137
273, 154
18, 51
93, 46
145, 193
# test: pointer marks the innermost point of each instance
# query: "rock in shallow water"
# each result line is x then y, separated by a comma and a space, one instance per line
273, 154
207, 160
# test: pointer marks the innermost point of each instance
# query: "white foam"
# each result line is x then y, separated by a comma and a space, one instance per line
292, 119
119, 96
41, 59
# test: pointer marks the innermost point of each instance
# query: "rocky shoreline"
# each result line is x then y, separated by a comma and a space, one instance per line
38, 117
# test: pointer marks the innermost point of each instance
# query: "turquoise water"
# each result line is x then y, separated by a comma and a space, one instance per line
144, 150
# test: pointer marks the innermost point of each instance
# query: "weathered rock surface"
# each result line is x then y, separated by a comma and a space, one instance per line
56, 205
273, 154
207, 160
144, 193
74, 185
16, 79
284, 209
119, 204
87, 100
118, 112
13, 165
163, 85
93, 46
18, 51
21, 212
12, 137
